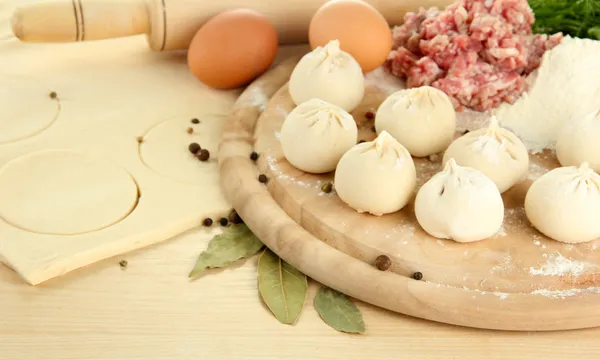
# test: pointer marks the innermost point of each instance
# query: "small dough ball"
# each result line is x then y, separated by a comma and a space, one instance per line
316, 134
496, 152
422, 119
329, 74
377, 177
459, 203
564, 204
369, 43
232, 49
579, 142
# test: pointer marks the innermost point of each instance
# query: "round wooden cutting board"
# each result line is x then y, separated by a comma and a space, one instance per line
515, 280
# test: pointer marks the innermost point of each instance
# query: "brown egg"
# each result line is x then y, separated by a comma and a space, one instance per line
362, 31
232, 49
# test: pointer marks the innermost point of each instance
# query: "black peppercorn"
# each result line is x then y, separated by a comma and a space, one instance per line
223, 222
204, 155
263, 178
234, 217
383, 262
194, 148
207, 222
195, 121
327, 187
418, 276
254, 156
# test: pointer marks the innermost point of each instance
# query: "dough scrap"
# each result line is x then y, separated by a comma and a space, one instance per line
422, 119
496, 152
330, 74
377, 177
564, 204
316, 134
459, 203
64, 193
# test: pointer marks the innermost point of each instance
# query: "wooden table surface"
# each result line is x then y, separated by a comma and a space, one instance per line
152, 311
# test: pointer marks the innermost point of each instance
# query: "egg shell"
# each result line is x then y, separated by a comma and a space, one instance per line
362, 31
232, 48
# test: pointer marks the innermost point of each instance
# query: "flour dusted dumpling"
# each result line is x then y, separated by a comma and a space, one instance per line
328, 73
496, 152
377, 177
579, 142
459, 203
564, 204
422, 119
316, 134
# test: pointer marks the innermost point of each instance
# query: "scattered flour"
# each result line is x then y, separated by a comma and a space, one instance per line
566, 86
284, 113
259, 98
504, 265
561, 294
501, 295
535, 171
558, 265
274, 167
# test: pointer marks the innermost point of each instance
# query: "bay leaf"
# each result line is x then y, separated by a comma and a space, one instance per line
338, 311
282, 287
235, 243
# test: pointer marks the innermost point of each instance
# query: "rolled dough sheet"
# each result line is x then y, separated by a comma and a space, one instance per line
76, 186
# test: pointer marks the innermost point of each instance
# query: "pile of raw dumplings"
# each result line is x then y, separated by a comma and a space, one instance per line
463, 202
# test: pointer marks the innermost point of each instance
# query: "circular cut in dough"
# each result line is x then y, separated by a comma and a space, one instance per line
26, 109
330, 74
579, 141
564, 204
316, 134
459, 203
377, 177
422, 119
165, 149
496, 152
63, 192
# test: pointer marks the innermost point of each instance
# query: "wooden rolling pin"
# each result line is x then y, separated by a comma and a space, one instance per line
171, 24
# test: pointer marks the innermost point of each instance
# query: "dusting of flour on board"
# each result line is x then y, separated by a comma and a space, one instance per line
558, 265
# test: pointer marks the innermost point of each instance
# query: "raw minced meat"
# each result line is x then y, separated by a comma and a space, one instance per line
476, 51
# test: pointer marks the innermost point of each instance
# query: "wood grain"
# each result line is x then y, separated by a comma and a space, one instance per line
349, 270
151, 311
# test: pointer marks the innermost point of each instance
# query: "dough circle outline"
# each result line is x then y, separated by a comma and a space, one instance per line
26, 109
164, 148
65, 192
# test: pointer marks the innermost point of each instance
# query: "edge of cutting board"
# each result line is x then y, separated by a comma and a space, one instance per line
333, 268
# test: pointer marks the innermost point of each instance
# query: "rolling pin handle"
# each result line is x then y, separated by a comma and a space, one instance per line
80, 20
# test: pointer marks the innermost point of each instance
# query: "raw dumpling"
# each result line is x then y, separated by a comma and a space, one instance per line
459, 203
422, 119
496, 152
580, 142
564, 204
329, 74
316, 134
377, 177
